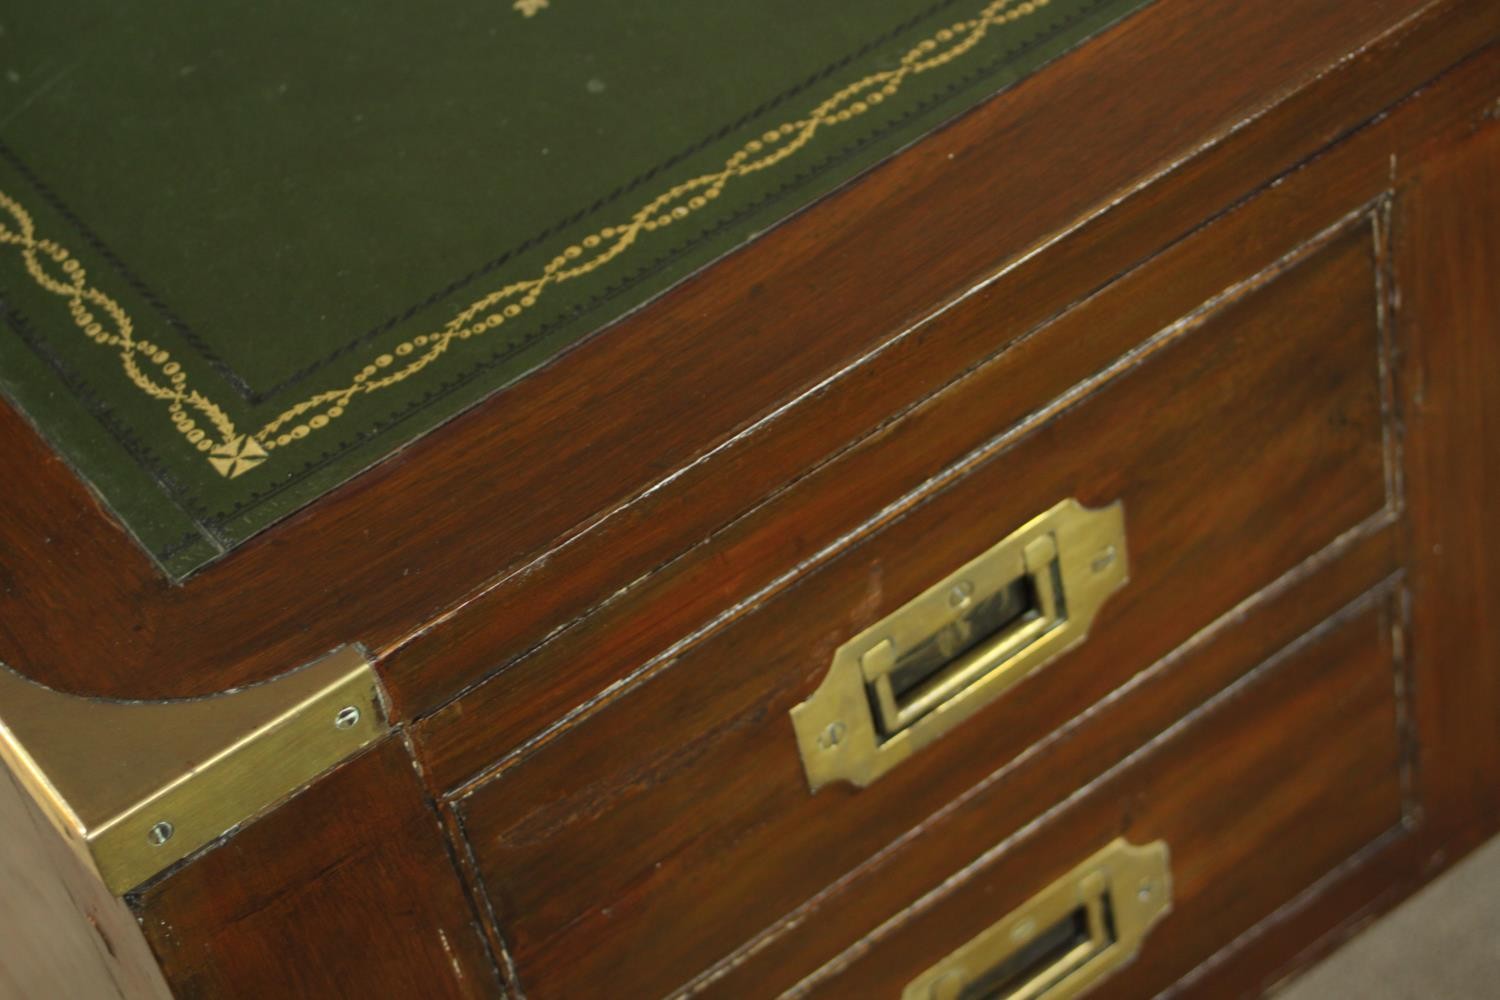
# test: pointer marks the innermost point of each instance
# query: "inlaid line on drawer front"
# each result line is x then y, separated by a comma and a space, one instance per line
1274, 781
1362, 562
642, 628
504, 712
1270, 401
555, 585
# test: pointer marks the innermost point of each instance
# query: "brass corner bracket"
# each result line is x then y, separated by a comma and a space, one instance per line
135, 787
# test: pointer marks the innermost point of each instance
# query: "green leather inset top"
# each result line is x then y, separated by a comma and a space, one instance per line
248, 250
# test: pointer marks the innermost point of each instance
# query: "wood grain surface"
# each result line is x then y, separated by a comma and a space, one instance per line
1251, 818
600, 448
1270, 402
1005, 804
1447, 233
822, 509
348, 890
595, 596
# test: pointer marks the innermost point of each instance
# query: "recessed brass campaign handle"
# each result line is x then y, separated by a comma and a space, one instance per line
922, 670
1067, 937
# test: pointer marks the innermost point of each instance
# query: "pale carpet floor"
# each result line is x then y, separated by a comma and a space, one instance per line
1442, 944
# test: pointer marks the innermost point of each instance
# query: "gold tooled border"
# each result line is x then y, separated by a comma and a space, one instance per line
232, 452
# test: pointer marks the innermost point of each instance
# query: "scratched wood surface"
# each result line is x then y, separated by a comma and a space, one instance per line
1269, 402
1250, 821
522, 560
1000, 809
348, 890
640, 782
489, 527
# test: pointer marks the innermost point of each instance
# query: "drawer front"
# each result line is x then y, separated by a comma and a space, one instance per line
1271, 784
999, 812
648, 840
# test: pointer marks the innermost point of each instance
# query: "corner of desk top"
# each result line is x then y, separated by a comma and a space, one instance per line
134, 787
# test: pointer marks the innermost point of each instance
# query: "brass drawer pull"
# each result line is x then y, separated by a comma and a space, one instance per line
1067, 937
922, 670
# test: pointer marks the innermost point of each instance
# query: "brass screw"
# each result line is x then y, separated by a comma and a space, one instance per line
960, 594
1103, 560
347, 717
832, 735
160, 833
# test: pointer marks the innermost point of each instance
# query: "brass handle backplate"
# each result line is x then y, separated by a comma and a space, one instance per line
1065, 938
925, 668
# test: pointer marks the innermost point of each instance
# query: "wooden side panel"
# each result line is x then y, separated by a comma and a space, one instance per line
348, 890
1447, 233
1269, 405
62, 934
1276, 781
